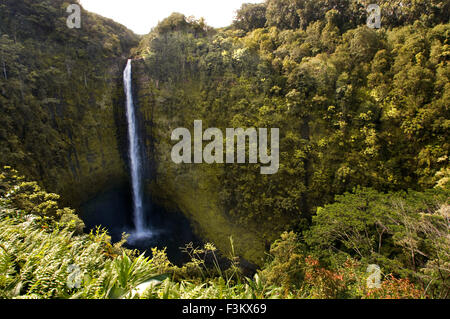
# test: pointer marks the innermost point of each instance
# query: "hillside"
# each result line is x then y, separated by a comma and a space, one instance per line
355, 107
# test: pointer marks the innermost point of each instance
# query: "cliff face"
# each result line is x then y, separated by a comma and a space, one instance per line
355, 107
61, 97
196, 190
190, 72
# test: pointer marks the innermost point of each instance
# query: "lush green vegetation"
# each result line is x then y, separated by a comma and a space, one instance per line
355, 106
407, 233
364, 175
59, 93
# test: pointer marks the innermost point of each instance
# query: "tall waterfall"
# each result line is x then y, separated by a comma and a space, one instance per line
135, 158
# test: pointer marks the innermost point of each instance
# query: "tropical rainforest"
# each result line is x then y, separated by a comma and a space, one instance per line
358, 209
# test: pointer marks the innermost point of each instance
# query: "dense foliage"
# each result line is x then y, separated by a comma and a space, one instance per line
58, 88
356, 106
41, 245
364, 165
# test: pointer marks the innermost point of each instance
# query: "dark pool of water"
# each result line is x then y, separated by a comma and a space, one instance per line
113, 211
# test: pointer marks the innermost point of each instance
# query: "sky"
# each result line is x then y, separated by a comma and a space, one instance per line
142, 15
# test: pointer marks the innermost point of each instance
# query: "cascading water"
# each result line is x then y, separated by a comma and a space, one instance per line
110, 209
141, 230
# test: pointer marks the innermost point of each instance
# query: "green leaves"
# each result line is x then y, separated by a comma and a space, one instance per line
405, 232
132, 273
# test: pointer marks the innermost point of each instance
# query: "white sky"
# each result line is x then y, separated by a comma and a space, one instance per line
142, 15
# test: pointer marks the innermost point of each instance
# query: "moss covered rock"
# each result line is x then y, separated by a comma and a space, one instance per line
61, 97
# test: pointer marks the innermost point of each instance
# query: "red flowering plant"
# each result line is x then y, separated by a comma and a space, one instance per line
395, 288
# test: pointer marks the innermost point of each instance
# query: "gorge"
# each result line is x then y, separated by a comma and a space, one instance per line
356, 107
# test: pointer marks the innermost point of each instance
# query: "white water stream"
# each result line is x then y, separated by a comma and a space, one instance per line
134, 153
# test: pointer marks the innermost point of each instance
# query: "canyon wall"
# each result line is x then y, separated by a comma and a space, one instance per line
61, 98
196, 190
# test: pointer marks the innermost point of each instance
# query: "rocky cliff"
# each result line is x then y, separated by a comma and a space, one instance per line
61, 97
196, 190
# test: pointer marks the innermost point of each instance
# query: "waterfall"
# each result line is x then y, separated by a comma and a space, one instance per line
135, 158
